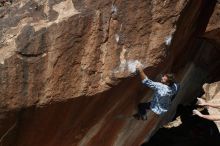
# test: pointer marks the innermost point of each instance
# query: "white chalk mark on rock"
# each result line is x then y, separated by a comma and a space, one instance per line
165, 2
117, 38
126, 65
114, 9
122, 60
129, 65
168, 40
44, 54
2, 62
121, 27
132, 65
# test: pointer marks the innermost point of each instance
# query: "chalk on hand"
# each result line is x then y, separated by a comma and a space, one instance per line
132, 65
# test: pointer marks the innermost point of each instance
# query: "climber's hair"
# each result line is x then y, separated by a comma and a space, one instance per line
171, 78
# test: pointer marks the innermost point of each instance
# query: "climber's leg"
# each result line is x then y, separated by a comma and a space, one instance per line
142, 111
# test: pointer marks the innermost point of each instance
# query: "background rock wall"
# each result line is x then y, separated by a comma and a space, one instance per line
80, 47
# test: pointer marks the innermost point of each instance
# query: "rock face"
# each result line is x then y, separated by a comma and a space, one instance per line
64, 67
82, 48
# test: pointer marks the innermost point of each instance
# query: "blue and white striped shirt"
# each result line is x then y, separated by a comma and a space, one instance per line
162, 95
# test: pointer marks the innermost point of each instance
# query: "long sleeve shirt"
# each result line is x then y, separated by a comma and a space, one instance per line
161, 97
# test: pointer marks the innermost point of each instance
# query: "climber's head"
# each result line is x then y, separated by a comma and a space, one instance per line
167, 79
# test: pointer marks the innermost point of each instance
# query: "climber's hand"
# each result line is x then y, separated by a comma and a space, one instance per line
139, 67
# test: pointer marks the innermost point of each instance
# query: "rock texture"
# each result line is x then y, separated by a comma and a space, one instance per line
64, 67
81, 48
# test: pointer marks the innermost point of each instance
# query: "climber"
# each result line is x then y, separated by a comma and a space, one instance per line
163, 94
202, 102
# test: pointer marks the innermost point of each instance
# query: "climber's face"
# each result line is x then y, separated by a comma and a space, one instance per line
164, 79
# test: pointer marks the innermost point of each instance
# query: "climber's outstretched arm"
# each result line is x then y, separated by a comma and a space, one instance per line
148, 82
141, 71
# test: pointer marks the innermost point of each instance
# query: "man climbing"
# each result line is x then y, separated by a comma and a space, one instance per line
163, 94
202, 102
